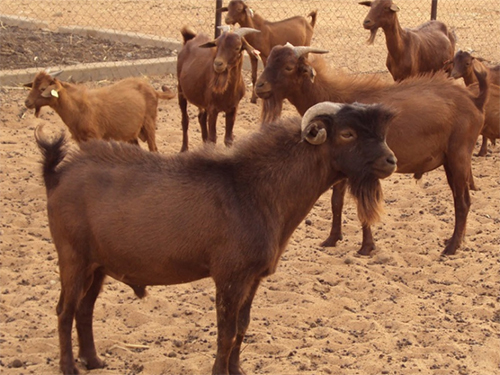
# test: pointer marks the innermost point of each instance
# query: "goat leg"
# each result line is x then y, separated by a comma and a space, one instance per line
83, 317
230, 119
254, 63
338, 194
459, 185
185, 121
243, 322
212, 126
484, 147
368, 245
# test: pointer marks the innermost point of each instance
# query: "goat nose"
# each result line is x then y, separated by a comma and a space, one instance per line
392, 160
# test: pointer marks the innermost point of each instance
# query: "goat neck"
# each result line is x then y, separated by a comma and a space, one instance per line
395, 37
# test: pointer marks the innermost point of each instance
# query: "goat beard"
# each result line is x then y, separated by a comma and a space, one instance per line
271, 109
373, 34
368, 193
220, 81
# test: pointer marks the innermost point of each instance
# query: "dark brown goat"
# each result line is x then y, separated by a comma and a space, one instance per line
123, 111
295, 30
464, 65
146, 219
438, 122
209, 76
410, 51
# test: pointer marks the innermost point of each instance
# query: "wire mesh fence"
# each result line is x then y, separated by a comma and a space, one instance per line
338, 27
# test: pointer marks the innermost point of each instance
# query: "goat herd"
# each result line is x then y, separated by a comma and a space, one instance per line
228, 213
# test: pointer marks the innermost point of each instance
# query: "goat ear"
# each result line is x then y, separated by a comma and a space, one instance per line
50, 91
394, 8
223, 9
208, 44
367, 3
306, 69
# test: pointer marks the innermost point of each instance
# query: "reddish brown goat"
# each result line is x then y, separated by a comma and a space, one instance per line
438, 122
209, 76
464, 65
491, 127
147, 219
124, 111
410, 51
295, 30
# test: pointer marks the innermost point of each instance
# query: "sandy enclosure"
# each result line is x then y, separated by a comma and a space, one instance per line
403, 310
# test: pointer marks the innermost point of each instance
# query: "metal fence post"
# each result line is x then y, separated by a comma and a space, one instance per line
218, 5
434, 7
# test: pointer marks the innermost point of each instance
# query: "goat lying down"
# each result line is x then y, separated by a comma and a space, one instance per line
123, 111
147, 219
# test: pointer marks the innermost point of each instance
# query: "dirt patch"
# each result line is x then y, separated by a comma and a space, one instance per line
23, 48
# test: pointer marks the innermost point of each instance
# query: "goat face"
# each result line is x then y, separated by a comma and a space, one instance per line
229, 48
381, 14
462, 62
355, 135
236, 11
284, 68
44, 91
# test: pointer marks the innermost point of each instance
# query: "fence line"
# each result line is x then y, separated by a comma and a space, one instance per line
338, 28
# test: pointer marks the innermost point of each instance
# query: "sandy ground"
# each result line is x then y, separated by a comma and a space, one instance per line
404, 310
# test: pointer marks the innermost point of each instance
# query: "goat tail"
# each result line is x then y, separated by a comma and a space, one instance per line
165, 93
53, 153
187, 33
484, 87
313, 16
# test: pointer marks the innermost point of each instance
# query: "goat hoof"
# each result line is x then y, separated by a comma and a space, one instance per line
366, 251
69, 370
331, 241
92, 363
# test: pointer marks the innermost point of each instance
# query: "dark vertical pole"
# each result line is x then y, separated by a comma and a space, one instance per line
434, 9
218, 5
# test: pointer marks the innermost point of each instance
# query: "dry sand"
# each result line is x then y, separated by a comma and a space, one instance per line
404, 310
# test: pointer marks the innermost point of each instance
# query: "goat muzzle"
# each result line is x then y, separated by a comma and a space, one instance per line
368, 24
263, 89
385, 165
219, 66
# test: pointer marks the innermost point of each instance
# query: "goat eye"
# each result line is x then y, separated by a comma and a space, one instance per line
347, 135
288, 68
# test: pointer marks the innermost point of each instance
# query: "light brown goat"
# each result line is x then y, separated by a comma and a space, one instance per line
464, 65
146, 219
410, 51
124, 111
438, 122
295, 30
209, 76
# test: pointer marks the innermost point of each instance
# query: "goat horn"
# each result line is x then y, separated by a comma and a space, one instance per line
224, 28
323, 108
302, 50
242, 31
55, 74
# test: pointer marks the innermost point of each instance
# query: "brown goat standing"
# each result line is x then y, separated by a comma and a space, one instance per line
437, 122
410, 51
146, 219
209, 76
295, 30
123, 111
464, 65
